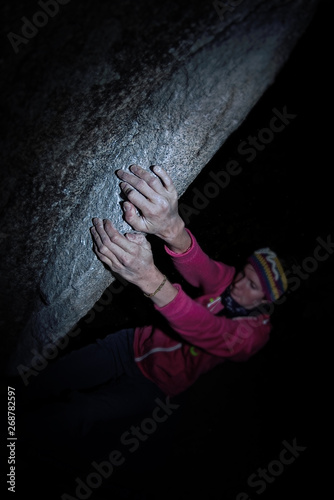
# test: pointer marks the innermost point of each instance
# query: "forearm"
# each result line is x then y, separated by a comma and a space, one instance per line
177, 239
198, 269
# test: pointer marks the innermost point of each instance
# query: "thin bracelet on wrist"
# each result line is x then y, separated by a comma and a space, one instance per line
158, 289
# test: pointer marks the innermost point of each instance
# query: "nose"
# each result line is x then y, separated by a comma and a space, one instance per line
239, 281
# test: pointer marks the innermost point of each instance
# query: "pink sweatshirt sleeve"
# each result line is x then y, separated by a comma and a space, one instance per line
216, 335
200, 270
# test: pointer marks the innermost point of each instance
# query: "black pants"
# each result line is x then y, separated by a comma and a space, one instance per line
83, 403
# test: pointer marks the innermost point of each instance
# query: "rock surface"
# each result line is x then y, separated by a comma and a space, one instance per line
95, 89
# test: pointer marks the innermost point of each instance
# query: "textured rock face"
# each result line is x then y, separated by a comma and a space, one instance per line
97, 88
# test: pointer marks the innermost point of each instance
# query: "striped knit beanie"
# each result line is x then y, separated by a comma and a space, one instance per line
270, 272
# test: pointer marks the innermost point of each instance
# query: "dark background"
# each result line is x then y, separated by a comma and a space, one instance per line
234, 420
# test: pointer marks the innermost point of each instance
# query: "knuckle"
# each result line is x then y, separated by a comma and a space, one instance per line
140, 184
129, 192
114, 237
142, 240
127, 260
153, 181
103, 249
174, 200
163, 203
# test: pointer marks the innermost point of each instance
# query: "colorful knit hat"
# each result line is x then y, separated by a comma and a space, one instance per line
270, 272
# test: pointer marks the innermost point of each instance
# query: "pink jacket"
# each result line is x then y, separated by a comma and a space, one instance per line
200, 340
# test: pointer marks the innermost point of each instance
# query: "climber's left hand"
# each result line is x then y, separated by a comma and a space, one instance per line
129, 255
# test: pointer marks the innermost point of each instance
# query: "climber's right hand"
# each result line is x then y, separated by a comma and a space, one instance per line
155, 198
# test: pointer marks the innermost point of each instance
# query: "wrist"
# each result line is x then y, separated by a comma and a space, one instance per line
173, 229
151, 281
158, 289
180, 242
